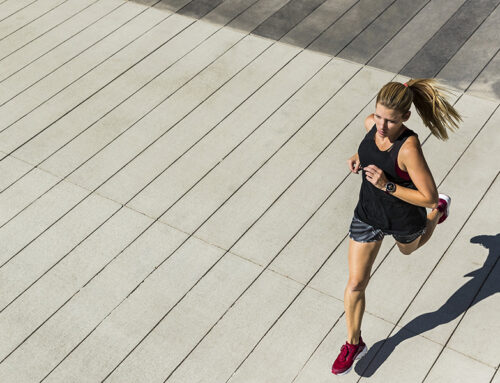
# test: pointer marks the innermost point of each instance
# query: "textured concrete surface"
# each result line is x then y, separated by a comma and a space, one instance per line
174, 199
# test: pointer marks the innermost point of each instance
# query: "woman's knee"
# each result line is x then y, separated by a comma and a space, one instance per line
357, 285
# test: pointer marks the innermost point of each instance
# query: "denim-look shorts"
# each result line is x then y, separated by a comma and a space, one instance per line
362, 232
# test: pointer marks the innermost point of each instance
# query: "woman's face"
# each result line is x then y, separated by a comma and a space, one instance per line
389, 121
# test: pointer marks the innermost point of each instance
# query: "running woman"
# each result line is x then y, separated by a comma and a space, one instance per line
397, 187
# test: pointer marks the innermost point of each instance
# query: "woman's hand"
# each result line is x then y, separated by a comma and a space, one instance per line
354, 164
376, 176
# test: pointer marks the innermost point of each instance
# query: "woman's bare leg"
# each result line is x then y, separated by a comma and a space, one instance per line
361, 257
432, 221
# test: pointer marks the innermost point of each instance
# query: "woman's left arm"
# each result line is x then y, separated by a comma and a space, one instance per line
412, 157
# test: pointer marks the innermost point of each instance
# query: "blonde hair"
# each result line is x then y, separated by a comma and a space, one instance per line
429, 99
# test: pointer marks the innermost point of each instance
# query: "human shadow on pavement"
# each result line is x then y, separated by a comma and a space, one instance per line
466, 296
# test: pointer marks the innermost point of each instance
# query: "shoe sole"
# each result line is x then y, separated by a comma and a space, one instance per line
360, 355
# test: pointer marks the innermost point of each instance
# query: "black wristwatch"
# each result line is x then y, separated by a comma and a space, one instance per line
390, 187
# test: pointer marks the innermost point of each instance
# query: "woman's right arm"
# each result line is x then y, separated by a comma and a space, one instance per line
353, 162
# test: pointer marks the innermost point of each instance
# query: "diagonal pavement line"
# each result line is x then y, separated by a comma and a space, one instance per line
99, 19
446, 250
90, 70
124, 205
36, 18
92, 191
471, 302
51, 28
396, 33
20, 9
495, 374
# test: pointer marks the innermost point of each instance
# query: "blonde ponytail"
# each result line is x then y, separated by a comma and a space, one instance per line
429, 99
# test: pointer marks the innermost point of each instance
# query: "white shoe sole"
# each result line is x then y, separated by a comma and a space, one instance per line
360, 355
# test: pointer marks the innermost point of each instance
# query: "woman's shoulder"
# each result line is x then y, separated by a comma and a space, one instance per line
369, 122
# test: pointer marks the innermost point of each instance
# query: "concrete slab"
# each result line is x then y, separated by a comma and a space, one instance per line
487, 84
9, 8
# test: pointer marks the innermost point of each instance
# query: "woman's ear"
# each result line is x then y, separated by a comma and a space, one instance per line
406, 116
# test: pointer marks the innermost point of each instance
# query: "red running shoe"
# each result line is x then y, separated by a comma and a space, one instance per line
349, 353
444, 206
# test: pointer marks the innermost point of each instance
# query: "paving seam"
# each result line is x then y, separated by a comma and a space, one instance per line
28, 23
446, 250
493, 377
20, 9
475, 295
459, 48
90, 70
51, 28
49, 51
367, 62
92, 191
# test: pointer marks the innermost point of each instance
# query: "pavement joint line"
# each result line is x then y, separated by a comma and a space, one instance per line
83, 75
25, 25
51, 28
72, 36
20, 9
397, 32
366, 27
465, 41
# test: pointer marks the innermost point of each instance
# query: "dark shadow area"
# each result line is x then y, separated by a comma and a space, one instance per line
469, 294
363, 31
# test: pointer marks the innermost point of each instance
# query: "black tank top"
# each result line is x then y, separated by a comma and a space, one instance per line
376, 207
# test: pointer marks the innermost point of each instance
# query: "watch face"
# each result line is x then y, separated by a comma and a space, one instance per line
390, 187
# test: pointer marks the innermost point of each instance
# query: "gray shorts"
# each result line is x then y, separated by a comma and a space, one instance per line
362, 232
